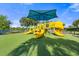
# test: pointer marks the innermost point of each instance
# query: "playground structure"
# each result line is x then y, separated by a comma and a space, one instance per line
40, 29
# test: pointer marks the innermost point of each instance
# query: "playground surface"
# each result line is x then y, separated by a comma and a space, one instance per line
23, 45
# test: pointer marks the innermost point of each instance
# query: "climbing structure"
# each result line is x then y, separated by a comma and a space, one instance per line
40, 29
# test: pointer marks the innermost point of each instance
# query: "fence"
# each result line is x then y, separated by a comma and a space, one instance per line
4, 31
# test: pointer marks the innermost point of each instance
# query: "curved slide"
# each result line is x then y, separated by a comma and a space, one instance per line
58, 33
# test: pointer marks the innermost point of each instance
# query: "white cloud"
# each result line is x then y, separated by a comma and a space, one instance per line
15, 23
67, 25
75, 7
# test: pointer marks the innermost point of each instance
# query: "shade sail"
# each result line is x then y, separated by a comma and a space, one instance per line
42, 14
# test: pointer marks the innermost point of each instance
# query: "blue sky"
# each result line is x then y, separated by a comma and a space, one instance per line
66, 12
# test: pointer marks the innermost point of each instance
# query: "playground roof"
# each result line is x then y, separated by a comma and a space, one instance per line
42, 14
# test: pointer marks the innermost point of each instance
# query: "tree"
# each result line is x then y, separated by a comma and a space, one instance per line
24, 21
4, 23
70, 29
76, 23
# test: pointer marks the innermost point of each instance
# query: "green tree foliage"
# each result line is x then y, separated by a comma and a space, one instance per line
24, 21
4, 23
76, 23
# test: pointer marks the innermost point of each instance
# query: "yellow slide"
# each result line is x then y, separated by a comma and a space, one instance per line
39, 32
58, 33
59, 27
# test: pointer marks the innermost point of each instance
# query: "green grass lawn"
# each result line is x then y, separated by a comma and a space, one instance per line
20, 44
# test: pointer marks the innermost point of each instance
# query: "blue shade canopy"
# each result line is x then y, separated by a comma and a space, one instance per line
42, 14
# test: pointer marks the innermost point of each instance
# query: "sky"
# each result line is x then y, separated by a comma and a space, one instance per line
66, 12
